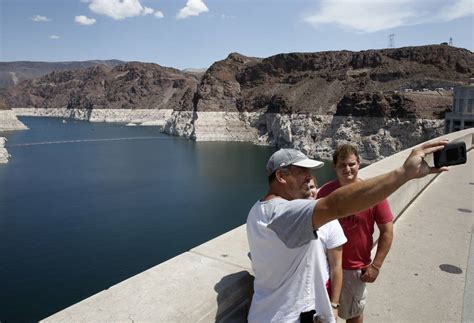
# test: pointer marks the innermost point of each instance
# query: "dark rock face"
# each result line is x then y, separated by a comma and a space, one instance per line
428, 105
130, 86
366, 83
220, 90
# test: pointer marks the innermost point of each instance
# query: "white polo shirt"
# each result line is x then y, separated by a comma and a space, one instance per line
288, 261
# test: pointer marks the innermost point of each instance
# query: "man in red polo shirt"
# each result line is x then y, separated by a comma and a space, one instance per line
358, 228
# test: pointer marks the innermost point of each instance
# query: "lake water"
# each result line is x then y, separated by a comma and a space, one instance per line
84, 206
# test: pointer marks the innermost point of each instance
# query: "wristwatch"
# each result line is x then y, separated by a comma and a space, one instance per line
335, 305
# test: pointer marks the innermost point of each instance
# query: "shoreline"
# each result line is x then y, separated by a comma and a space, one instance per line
136, 116
314, 134
4, 155
8, 122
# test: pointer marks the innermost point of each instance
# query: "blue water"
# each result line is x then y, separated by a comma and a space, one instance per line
84, 206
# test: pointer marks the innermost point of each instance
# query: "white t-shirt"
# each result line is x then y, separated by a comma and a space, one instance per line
288, 261
332, 236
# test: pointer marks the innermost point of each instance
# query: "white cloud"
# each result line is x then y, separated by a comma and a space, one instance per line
83, 20
376, 15
54, 37
461, 8
193, 8
159, 14
147, 11
119, 9
39, 18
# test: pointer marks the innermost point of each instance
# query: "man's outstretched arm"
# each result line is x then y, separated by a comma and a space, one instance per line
361, 195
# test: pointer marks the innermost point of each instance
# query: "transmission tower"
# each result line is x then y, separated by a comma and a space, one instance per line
450, 41
391, 40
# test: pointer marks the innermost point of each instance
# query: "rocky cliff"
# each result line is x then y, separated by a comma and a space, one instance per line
8, 122
381, 100
8, 119
321, 82
129, 86
4, 156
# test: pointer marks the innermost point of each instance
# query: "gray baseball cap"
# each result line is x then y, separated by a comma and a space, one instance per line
286, 157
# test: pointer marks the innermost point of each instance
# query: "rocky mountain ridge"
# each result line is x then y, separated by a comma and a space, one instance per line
132, 85
12, 73
325, 82
369, 83
382, 100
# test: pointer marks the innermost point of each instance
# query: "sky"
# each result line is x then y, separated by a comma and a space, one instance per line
196, 33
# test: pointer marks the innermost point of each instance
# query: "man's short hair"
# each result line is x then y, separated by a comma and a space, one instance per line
344, 151
272, 176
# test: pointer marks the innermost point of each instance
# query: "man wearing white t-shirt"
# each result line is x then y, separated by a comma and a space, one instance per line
287, 257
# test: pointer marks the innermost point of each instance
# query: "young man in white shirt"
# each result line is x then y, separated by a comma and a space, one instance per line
332, 237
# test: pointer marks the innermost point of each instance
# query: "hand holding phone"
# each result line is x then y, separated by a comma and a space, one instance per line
453, 153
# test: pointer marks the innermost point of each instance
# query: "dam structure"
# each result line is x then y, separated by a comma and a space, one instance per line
428, 276
462, 116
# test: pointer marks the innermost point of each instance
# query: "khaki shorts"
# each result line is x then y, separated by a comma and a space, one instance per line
353, 295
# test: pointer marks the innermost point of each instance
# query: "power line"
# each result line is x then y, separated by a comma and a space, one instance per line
391, 40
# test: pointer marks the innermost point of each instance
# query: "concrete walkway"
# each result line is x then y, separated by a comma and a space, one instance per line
428, 275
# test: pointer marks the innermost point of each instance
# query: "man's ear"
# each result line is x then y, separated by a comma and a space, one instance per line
279, 177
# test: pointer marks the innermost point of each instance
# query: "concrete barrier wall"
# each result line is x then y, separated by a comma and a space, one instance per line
213, 281
403, 197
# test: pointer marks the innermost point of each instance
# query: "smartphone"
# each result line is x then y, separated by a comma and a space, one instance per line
453, 153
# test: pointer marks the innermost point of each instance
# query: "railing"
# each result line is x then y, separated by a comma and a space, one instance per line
213, 281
